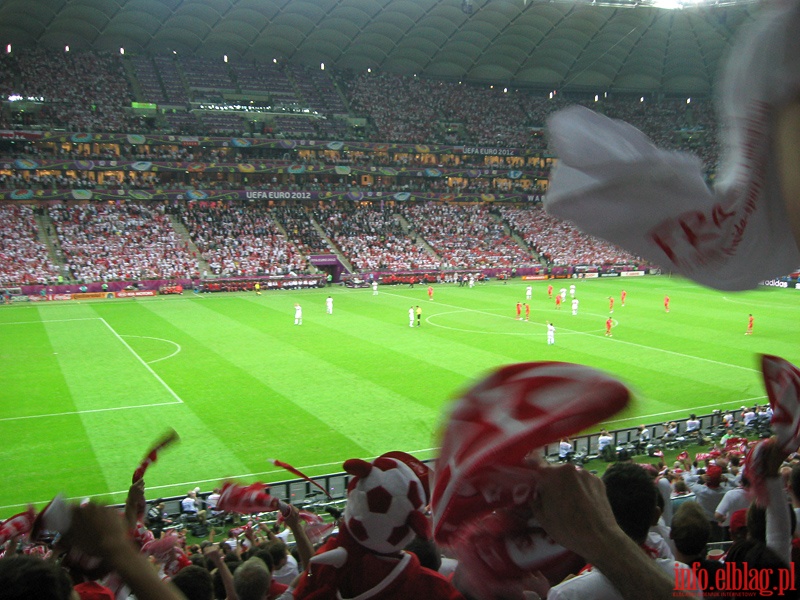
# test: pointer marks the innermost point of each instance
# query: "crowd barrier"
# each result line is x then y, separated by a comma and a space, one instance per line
306, 495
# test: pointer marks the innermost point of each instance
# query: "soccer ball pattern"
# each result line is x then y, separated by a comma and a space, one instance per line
382, 503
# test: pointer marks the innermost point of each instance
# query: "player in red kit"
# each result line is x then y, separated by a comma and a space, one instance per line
519, 310
749, 325
550, 291
558, 301
611, 304
666, 303
609, 324
430, 292
527, 311
622, 297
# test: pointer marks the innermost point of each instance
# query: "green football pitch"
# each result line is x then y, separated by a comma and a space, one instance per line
88, 386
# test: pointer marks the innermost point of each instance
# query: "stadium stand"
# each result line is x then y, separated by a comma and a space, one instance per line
130, 237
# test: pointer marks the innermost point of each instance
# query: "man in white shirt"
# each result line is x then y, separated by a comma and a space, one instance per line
574, 306
411, 317
604, 442
298, 314
528, 292
374, 288
551, 334
633, 500
329, 305
565, 451
191, 507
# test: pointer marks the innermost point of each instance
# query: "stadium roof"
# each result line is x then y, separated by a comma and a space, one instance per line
606, 45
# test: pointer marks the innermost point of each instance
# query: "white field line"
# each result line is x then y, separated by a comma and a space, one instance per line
91, 410
50, 321
189, 484
147, 337
141, 360
616, 340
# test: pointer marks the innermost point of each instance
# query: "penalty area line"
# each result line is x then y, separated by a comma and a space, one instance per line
141, 360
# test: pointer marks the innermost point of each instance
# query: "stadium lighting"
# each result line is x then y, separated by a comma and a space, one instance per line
122, 50
225, 57
8, 49
66, 48
321, 66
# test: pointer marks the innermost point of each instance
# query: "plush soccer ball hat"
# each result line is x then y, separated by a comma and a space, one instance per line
384, 504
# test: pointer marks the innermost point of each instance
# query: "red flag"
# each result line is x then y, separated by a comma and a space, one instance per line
19, 524
481, 474
152, 456
316, 527
291, 469
249, 499
782, 380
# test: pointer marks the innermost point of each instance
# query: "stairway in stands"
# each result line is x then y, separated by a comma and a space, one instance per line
180, 229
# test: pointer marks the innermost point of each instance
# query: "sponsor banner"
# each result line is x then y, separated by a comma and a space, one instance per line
263, 166
609, 274
780, 283
90, 296
632, 273
209, 196
324, 259
20, 299
135, 293
490, 151
533, 277
59, 296
592, 275
279, 144
20, 135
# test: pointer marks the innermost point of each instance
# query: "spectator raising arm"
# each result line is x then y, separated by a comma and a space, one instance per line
213, 554
586, 525
99, 531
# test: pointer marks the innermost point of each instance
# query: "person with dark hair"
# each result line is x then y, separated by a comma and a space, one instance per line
427, 553
756, 555
632, 499
25, 577
194, 582
690, 533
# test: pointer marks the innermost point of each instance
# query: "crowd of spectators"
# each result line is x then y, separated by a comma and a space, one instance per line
373, 239
24, 259
79, 91
682, 529
124, 241
237, 239
301, 230
398, 108
130, 241
466, 236
560, 242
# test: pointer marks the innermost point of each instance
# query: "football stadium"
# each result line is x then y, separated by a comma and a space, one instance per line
491, 249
